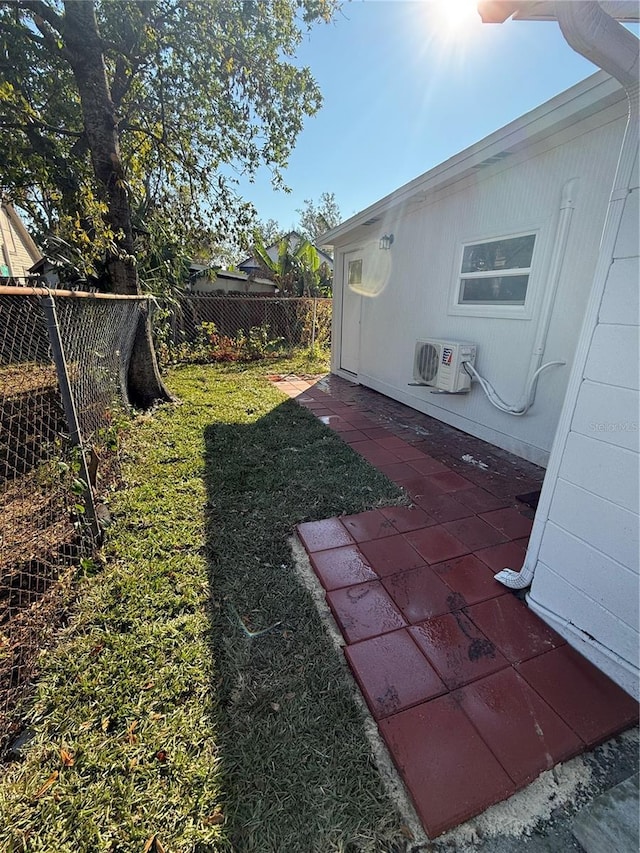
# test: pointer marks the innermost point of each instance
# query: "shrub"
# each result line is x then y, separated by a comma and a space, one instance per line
252, 347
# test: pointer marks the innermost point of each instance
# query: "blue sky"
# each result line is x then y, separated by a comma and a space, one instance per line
403, 91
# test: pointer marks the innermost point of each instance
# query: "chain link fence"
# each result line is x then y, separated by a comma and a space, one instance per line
63, 364
63, 370
189, 324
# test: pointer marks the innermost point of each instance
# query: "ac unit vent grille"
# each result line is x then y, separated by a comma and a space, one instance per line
427, 359
442, 365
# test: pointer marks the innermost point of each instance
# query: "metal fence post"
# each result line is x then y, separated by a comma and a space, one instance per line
313, 325
57, 351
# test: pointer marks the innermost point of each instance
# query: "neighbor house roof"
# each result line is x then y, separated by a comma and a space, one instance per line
580, 101
252, 262
226, 276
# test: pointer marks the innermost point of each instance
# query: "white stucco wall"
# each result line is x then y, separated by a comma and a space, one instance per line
519, 194
586, 577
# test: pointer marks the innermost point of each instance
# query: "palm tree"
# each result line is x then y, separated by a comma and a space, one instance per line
298, 272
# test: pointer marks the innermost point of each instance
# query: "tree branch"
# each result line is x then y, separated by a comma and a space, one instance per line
160, 140
42, 10
9, 124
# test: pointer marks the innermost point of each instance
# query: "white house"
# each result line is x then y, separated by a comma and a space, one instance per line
534, 184
18, 252
518, 247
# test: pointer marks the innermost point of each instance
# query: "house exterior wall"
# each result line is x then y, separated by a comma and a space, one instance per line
232, 286
14, 253
519, 194
586, 577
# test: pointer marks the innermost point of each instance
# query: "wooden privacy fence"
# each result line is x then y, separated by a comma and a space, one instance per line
63, 365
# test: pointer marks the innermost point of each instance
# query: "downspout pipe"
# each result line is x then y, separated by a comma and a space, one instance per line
557, 260
599, 38
595, 35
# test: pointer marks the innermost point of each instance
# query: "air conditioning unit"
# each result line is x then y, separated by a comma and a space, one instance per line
441, 364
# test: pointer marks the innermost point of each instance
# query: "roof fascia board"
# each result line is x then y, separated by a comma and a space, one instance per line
569, 106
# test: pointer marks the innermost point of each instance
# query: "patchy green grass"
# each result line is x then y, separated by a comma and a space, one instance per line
159, 724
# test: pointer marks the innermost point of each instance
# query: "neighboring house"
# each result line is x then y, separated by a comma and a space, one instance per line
504, 246
206, 281
18, 251
253, 265
47, 270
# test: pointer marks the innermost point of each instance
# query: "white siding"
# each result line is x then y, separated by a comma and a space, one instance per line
584, 567
13, 248
613, 358
600, 523
611, 631
587, 575
627, 242
621, 303
608, 409
585, 541
602, 468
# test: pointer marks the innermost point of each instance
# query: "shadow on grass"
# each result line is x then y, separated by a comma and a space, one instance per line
298, 772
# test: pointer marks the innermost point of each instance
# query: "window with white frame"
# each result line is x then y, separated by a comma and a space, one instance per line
496, 272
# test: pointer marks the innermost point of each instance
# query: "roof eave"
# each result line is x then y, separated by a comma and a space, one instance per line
548, 116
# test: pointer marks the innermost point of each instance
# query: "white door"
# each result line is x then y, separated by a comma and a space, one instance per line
351, 312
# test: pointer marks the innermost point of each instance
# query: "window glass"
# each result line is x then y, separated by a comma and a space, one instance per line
514, 253
497, 290
496, 272
355, 272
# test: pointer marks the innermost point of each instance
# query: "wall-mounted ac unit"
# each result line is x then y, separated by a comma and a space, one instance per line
441, 364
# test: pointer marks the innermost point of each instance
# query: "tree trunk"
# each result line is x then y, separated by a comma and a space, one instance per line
84, 53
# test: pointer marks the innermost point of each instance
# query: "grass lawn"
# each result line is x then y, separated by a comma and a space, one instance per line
159, 724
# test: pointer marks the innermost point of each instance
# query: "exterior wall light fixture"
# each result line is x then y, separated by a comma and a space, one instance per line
386, 241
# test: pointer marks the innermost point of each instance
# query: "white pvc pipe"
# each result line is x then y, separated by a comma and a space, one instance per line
616, 51
555, 268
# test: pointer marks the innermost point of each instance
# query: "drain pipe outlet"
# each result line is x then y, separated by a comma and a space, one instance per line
591, 32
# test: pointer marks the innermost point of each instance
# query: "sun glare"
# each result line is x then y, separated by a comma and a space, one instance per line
455, 20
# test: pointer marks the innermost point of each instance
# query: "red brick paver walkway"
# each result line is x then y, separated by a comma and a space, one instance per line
473, 694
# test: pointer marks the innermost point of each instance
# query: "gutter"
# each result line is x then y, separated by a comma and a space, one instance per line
595, 35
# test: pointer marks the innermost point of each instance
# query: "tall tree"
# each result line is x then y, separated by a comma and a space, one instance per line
315, 219
113, 111
270, 231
